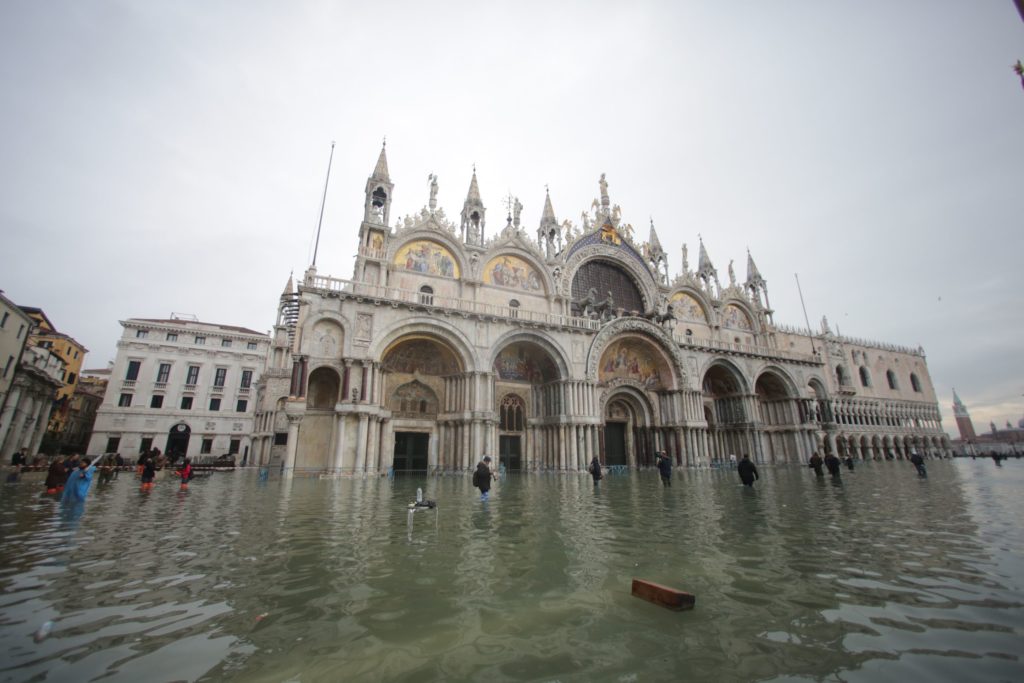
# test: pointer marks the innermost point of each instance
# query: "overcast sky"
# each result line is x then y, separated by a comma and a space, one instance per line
170, 156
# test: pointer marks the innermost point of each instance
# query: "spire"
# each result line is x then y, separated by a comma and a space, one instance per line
474, 189
290, 287
753, 274
473, 214
958, 405
706, 270
548, 216
654, 241
549, 235
703, 262
381, 170
377, 210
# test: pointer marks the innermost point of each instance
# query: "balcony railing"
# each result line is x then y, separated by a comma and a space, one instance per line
128, 384
243, 391
466, 307
463, 307
190, 387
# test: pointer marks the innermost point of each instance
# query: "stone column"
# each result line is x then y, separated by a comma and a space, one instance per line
339, 443
5, 419
361, 442
293, 444
41, 424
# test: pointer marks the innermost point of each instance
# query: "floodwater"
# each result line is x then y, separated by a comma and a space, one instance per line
882, 577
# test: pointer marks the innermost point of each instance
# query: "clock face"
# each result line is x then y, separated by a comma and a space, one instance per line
182, 428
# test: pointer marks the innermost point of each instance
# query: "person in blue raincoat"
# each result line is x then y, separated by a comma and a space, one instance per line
77, 486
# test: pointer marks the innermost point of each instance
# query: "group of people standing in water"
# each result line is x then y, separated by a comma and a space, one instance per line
483, 476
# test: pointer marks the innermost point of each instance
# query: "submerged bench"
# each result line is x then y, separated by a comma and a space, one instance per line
663, 595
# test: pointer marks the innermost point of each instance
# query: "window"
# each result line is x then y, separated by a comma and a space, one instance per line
891, 376
112, 444
76, 354
915, 383
186, 403
133, 370
7, 366
233, 446
141, 334
214, 404
427, 295
125, 401
280, 438
207, 446
200, 340
157, 401
219, 377
246, 379
164, 373
172, 336
251, 346
145, 444
865, 378
226, 343
3, 321
242, 405
193, 375
20, 330
514, 305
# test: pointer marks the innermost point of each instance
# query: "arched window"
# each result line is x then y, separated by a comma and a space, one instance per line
512, 413
427, 295
841, 376
915, 383
891, 376
514, 305
865, 378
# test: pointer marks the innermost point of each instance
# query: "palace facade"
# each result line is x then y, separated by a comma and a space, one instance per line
446, 344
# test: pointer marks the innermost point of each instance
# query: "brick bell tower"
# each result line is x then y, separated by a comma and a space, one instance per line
963, 419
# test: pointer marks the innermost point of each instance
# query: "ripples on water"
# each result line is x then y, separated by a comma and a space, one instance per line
881, 577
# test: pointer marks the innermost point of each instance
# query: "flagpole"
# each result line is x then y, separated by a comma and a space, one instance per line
803, 306
323, 202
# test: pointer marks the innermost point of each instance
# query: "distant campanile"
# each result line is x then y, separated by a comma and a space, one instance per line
963, 419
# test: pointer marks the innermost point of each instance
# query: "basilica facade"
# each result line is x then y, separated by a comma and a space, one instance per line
450, 342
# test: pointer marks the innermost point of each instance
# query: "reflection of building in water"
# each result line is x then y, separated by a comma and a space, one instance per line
1006, 441
448, 343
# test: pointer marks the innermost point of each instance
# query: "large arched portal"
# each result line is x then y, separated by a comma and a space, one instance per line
779, 416
420, 372
633, 367
528, 398
729, 426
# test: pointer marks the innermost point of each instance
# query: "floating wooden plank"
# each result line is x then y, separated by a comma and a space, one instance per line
663, 595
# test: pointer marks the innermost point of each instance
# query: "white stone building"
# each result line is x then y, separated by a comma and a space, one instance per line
182, 386
447, 344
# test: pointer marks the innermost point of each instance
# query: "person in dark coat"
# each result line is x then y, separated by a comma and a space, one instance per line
664, 464
832, 463
595, 470
815, 464
482, 477
849, 462
747, 470
918, 461
56, 476
148, 473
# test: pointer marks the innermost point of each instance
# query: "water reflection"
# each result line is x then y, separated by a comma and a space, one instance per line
881, 575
